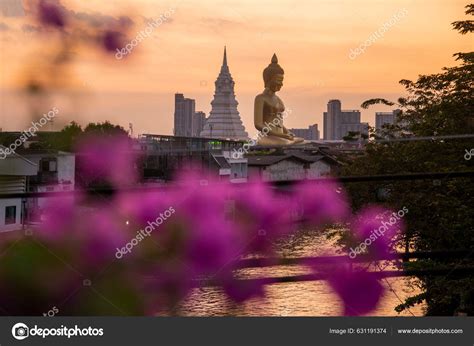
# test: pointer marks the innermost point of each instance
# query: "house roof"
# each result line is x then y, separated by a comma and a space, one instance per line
268, 160
42, 152
15, 164
221, 161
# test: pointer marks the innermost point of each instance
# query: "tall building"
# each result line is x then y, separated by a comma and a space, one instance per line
184, 110
338, 123
199, 120
224, 120
382, 118
314, 132
310, 134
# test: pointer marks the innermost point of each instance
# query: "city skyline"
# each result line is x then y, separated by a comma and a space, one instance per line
315, 57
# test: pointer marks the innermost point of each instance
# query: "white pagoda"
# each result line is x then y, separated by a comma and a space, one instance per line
224, 120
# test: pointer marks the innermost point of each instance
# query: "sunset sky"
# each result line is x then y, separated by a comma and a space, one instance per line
312, 39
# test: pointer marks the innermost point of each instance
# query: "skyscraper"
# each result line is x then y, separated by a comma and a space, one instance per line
310, 134
382, 118
338, 123
224, 120
184, 110
199, 120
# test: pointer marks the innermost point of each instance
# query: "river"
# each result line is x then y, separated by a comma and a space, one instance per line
298, 298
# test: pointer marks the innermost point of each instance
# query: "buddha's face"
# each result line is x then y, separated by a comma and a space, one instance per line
276, 83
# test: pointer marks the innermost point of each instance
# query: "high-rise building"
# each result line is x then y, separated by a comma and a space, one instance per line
184, 110
224, 120
382, 118
314, 132
338, 123
199, 120
310, 134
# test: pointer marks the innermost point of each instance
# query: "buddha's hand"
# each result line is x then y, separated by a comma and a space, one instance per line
289, 136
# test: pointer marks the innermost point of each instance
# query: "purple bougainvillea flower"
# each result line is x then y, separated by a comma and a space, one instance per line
242, 290
58, 218
213, 246
321, 202
261, 215
51, 13
168, 284
109, 159
212, 240
113, 40
359, 290
374, 229
141, 208
101, 233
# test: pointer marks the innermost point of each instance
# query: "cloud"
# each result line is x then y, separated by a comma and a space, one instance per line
4, 27
221, 23
31, 28
99, 20
12, 8
96, 20
148, 20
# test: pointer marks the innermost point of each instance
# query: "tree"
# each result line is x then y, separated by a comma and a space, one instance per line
66, 138
105, 128
440, 212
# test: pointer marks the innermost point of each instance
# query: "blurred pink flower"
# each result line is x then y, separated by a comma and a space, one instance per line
359, 290
212, 240
261, 215
241, 290
212, 246
107, 158
58, 217
51, 13
374, 228
112, 40
321, 202
168, 286
100, 234
143, 207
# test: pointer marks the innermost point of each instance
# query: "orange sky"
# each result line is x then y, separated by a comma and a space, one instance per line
312, 39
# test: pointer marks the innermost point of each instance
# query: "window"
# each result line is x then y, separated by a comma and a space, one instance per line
10, 215
48, 165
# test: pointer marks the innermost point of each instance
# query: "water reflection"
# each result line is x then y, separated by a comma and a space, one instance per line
296, 298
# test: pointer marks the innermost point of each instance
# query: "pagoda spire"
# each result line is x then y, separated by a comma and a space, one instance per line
224, 119
224, 62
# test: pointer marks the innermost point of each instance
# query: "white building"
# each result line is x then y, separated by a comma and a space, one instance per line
224, 120
15, 172
234, 169
55, 172
291, 166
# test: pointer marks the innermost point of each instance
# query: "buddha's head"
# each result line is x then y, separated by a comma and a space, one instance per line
273, 75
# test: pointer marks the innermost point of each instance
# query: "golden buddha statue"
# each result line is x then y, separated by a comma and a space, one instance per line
269, 110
